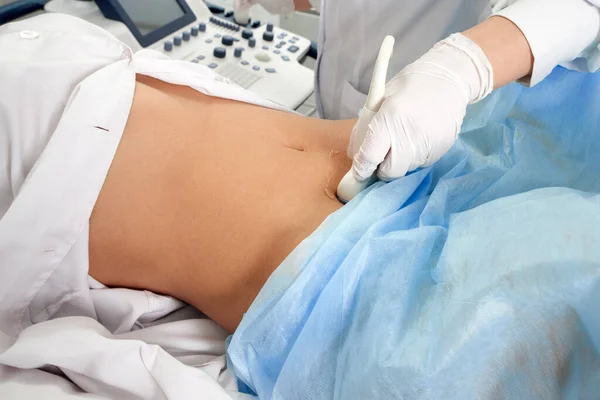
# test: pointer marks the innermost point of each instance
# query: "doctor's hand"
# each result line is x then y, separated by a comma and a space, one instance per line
423, 110
278, 7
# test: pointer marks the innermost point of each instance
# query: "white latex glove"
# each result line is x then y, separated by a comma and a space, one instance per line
423, 110
279, 7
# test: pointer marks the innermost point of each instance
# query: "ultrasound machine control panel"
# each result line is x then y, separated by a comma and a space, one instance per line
262, 58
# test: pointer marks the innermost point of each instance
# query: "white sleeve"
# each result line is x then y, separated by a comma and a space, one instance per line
559, 32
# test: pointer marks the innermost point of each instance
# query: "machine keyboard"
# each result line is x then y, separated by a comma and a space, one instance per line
258, 57
239, 75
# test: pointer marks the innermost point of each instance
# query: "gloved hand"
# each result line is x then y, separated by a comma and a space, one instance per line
278, 7
423, 110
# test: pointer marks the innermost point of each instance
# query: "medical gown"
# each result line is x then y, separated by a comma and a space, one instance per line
478, 277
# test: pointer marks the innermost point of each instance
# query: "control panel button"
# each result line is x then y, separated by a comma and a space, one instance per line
252, 42
168, 46
208, 41
265, 47
283, 43
227, 40
264, 57
247, 33
271, 70
202, 27
268, 36
218, 35
279, 46
295, 38
276, 51
195, 61
219, 52
293, 49
213, 65
256, 68
194, 31
238, 52
256, 24
177, 41
200, 57
186, 36
285, 58
269, 27
244, 62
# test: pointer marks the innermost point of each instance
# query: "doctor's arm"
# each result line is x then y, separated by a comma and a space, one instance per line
505, 47
302, 5
426, 102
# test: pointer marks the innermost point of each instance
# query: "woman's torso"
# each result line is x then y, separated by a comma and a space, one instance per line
205, 196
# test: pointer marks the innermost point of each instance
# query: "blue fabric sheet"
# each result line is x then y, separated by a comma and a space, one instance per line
476, 278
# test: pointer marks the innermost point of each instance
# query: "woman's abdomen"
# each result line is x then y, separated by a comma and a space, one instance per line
206, 197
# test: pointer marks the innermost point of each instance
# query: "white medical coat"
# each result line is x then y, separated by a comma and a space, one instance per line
562, 32
66, 89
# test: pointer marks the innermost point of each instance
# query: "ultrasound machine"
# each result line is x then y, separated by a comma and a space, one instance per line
262, 58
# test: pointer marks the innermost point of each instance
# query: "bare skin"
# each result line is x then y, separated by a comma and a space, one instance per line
206, 197
506, 48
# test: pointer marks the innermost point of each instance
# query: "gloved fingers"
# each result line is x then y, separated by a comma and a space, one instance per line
403, 155
362, 167
396, 164
411, 148
374, 148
